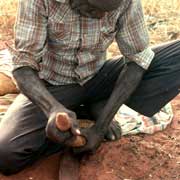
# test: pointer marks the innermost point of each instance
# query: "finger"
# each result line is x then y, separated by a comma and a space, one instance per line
75, 129
63, 122
76, 141
80, 150
61, 137
110, 135
57, 136
85, 149
117, 131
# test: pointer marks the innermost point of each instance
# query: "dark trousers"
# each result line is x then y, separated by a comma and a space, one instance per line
22, 130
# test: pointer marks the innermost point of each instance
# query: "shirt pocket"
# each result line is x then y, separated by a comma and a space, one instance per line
59, 30
60, 36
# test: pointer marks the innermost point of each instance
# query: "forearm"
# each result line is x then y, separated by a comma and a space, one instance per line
126, 84
30, 85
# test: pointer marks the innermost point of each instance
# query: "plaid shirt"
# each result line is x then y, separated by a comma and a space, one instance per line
65, 47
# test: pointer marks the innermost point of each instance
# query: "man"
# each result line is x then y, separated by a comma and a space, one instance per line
60, 68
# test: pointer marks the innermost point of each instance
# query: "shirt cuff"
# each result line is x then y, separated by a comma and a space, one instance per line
23, 63
21, 59
143, 58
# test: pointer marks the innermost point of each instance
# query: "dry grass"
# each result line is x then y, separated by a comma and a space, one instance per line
162, 17
7, 18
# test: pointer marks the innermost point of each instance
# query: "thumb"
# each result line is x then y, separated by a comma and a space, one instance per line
75, 130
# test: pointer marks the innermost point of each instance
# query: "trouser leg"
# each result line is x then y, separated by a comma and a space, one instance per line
159, 85
100, 87
22, 138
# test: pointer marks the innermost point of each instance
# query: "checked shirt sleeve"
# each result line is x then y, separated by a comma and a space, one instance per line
132, 36
30, 34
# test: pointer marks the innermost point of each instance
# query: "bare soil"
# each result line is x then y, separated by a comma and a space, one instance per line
140, 157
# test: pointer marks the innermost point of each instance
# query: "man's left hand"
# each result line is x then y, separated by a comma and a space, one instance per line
94, 139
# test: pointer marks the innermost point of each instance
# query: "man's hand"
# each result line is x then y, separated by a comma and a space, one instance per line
93, 138
127, 82
62, 124
56, 113
114, 130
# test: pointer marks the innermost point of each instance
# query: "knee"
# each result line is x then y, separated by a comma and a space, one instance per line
8, 158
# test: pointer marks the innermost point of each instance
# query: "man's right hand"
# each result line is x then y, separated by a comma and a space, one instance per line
62, 124
33, 87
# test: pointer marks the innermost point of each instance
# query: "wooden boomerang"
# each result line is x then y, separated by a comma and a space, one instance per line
69, 164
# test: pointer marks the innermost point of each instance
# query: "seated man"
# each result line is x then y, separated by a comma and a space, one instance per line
59, 65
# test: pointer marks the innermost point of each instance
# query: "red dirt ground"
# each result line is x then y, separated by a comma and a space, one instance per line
140, 157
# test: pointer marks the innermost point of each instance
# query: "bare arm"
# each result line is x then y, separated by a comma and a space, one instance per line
126, 84
30, 84
30, 46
